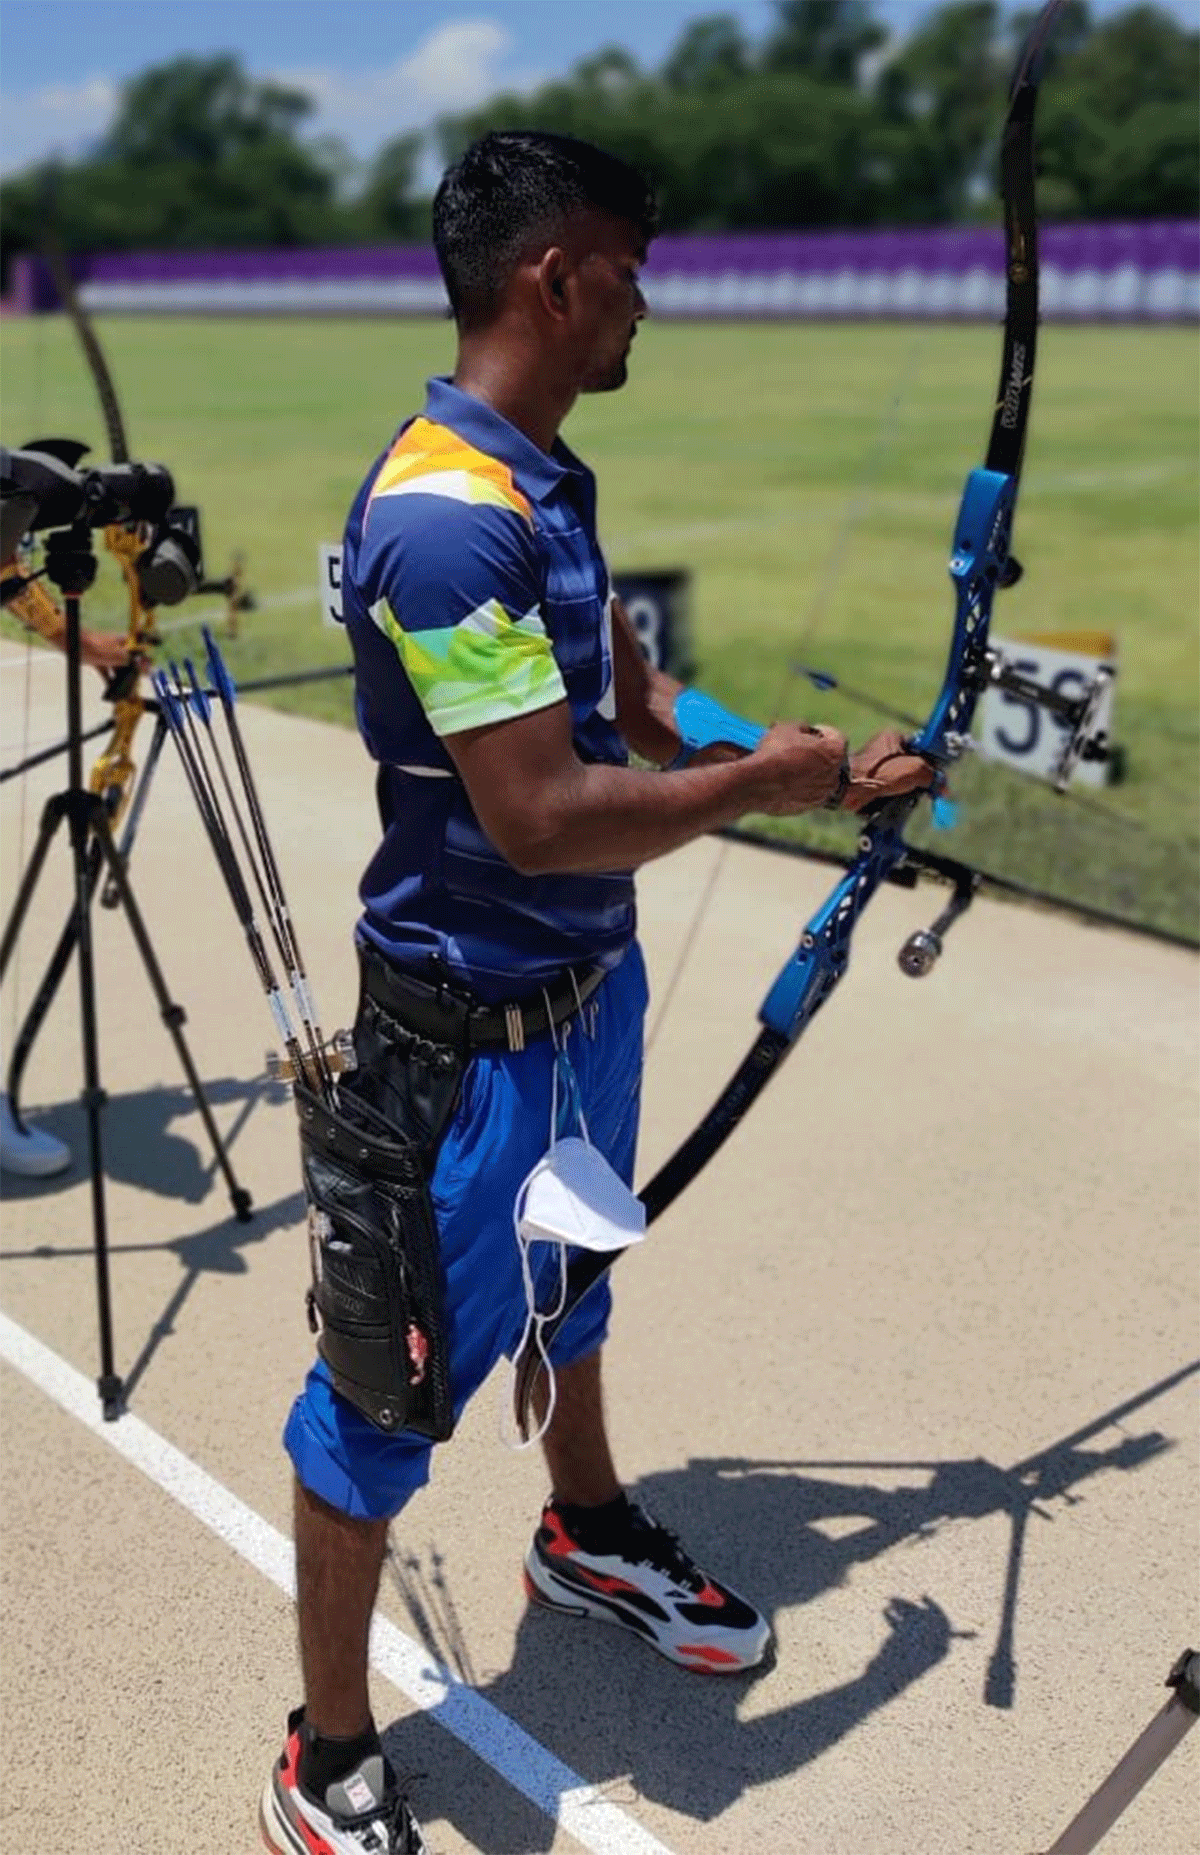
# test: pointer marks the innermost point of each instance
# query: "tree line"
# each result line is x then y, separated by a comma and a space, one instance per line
827, 121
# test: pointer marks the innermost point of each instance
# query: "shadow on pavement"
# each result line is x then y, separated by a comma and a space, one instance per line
636, 1727
140, 1149
623, 1719
138, 1144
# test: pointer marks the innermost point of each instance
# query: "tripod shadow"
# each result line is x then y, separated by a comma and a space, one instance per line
139, 1146
636, 1727
140, 1149
217, 1250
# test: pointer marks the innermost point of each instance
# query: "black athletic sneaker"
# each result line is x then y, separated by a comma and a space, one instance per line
363, 1814
638, 1574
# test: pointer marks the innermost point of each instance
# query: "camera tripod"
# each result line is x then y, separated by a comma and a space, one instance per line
71, 566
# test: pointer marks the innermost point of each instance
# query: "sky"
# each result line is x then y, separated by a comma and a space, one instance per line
374, 68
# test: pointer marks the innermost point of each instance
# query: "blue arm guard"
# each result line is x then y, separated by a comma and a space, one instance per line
703, 723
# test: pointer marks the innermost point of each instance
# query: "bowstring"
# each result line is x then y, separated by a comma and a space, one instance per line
854, 511
14, 991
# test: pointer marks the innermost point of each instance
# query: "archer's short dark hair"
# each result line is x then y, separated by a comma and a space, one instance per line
512, 188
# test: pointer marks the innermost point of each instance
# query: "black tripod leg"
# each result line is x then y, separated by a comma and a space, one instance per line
80, 807
53, 813
45, 995
173, 1015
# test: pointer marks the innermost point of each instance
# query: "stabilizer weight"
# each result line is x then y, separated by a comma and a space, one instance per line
922, 950
920, 953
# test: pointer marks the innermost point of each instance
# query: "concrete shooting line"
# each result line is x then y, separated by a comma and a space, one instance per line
552, 1787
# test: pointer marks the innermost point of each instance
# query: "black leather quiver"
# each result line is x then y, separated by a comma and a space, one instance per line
376, 1300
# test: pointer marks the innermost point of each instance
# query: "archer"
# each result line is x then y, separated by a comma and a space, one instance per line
500, 689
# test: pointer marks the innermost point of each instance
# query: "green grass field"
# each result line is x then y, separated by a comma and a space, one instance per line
807, 476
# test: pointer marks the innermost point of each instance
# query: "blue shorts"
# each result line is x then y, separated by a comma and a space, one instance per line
500, 1130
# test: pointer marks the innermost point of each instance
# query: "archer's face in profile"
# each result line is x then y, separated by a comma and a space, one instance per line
608, 302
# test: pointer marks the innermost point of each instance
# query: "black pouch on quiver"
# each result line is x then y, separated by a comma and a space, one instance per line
376, 1301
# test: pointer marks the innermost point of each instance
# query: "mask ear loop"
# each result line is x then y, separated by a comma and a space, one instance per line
558, 1053
581, 1016
575, 1092
535, 1321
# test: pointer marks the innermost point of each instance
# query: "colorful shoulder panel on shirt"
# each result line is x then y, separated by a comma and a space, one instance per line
432, 460
459, 581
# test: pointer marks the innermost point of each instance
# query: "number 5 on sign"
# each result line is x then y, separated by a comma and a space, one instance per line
329, 578
1028, 738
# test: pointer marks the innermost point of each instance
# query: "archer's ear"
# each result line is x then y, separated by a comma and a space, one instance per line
552, 281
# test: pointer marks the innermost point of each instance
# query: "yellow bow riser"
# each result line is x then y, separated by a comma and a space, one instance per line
39, 611
112, 775
35, 608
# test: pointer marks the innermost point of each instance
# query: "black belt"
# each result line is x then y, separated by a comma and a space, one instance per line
439, 1014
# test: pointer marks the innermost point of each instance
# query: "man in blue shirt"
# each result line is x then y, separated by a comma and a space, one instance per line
500, 689
475, 593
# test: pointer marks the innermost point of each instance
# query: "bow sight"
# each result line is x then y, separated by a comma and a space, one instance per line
42, 488
1087, 738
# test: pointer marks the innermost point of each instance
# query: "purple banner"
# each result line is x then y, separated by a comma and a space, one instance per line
1095, 272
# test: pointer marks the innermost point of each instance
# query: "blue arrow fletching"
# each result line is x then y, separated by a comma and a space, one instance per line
222, 682
170, 707
945, 814
820, 679
180, 692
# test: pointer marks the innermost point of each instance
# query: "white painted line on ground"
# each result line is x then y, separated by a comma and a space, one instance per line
560, 1793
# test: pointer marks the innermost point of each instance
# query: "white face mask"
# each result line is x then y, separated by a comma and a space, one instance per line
572, 1197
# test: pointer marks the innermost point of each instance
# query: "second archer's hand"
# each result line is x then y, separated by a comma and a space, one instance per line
106, 651
884, 769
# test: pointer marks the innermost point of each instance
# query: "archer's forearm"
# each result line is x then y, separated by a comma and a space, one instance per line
651, 731
616, 818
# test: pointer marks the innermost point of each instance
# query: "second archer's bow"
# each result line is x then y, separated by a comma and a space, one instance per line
114, 769
112, 775
980, 564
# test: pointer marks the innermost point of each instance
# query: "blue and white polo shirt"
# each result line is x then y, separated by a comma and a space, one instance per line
474, 590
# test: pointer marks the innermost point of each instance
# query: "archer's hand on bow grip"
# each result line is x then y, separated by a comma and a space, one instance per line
884, 770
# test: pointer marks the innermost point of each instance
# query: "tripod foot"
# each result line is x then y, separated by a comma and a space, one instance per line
112, 1396
243, 1204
